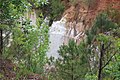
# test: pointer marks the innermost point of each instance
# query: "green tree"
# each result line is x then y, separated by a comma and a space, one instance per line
9, 12
103, 43
73, 64
29, 43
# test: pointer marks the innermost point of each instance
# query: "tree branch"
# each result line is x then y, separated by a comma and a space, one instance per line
109, 60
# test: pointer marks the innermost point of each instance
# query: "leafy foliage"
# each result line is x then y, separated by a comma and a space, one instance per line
77, 62
56, 8
73, 64
102, 24
29, 43
102, 33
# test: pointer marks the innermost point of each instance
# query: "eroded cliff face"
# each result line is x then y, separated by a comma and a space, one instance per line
81, 15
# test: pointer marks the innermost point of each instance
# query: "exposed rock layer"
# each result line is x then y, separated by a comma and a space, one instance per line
81, 15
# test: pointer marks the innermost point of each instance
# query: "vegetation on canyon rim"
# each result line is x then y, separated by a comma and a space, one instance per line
97, 57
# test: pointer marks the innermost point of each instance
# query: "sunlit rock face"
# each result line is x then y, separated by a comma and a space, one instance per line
77, 19
61, 32
56, 38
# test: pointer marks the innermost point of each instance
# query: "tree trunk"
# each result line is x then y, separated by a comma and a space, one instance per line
1, 42
100, 62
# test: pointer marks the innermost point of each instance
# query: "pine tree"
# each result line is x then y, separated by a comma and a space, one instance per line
73, 64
